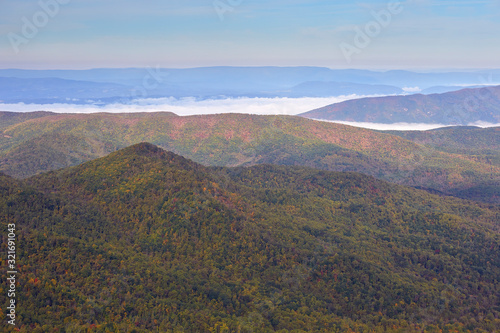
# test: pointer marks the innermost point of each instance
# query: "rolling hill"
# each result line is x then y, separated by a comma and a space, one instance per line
55, 141
144, 240
469, 140
453, 108
11, 118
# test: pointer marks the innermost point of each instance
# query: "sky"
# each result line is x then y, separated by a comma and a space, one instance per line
371, 34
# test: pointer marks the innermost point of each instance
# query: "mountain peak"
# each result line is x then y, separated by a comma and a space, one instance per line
144, 149
140, 155
142, 163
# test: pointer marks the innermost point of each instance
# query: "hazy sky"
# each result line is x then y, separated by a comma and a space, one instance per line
372, 34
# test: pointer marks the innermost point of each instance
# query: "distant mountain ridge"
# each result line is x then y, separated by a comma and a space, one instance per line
124, 84
54, 90
268, 75
452, 108
328, 88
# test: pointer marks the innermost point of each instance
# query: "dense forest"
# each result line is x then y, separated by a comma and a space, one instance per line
463, 162
144, 240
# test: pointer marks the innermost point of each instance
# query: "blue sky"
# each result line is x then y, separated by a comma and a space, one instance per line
420, 34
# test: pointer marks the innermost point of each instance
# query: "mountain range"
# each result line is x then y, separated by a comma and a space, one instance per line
144, 240
107, 86
452, 108
32, 143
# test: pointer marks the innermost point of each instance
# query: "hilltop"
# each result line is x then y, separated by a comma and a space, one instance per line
52, 141
146, 240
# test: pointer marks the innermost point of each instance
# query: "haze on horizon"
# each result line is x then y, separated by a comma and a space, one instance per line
374, 34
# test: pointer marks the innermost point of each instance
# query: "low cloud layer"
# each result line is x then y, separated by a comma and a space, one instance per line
191, 106
405, 126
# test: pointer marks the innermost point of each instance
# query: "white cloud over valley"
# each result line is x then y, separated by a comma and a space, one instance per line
191, 106
405, 126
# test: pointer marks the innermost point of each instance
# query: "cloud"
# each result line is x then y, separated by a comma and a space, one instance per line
483, 124
191, 106
405, 126
412, 89
261, 106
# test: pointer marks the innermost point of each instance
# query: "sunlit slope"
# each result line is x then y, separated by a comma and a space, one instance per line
460, 107
59, 140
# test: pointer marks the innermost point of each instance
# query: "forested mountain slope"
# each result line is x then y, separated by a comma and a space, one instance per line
145, 240
460, 107
55, 141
